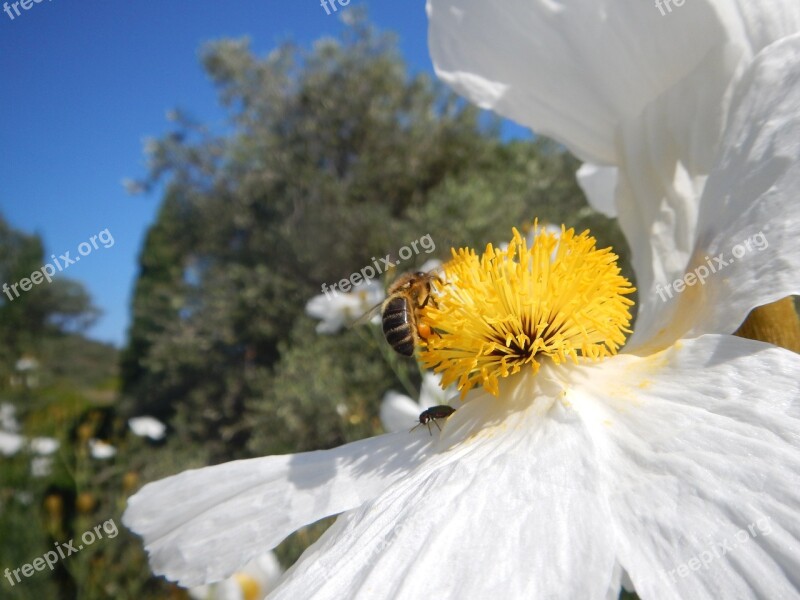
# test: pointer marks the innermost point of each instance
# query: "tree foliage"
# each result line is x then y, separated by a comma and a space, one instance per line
30, 320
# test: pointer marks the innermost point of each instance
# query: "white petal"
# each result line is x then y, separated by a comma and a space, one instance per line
147, 427
759, 23
599, 183
574, 71
661, 236
201, 592
330, 311
431, 392
10, 443
700, 443
665, 153
202, 525
230, 589
749, 199
751, 196
398, 412
265, 569
101, 450
8, 420
615, 586
337, 309
26, 364
43, 445
508, 509
41, 466
626, 582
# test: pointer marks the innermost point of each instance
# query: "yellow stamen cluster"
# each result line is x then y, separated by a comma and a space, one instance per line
561, 299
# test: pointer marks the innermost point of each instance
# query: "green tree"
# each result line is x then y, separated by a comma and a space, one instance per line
333, 156
48, 310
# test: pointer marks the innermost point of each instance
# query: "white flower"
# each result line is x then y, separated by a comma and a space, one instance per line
400, 413
8, 417
555, 476
648, 97
337, 309
600, 74
149, 427
10, 443
25, 498
43, 446
253, 582
101, 450
41, 466
27, 363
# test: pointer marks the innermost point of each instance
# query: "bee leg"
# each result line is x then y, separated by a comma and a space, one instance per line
429, 427
437, 425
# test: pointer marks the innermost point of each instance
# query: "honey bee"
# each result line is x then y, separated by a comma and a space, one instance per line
406, 295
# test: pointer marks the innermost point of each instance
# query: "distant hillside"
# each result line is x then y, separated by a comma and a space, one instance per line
84, 363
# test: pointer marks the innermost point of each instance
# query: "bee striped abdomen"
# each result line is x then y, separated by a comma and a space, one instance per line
397, 326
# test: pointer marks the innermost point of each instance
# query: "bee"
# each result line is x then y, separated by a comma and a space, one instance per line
406, 295
442, 411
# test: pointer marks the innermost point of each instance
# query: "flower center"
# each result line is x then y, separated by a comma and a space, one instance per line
560, 299
248, 586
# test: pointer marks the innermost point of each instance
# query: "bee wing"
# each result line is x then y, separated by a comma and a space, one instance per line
432, 266
368, 315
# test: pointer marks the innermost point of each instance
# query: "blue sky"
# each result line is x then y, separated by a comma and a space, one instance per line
84, 83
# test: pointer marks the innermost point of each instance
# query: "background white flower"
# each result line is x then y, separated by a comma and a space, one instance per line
101, 450
41, 466
149, 427
10, 443
43, 445
8, 417
253, 582
337, 310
